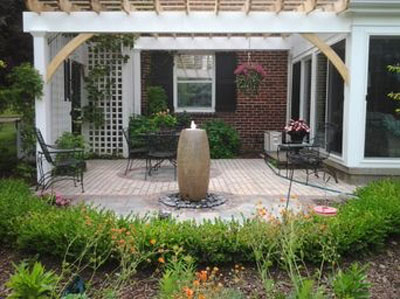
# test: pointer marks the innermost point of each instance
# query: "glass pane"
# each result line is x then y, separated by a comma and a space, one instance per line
194, 67
307, 91
320, 108
295, 106
336, 101
382, 137
194, 95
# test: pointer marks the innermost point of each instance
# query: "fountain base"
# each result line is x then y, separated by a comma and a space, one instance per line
176, 201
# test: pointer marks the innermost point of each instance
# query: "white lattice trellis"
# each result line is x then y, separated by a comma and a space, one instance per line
108, 139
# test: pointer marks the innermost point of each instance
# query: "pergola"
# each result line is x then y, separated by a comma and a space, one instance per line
217, 25
165, 18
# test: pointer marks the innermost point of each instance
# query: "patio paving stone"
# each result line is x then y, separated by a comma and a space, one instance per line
244, 182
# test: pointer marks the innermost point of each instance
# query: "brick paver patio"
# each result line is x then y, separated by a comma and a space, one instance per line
245, 182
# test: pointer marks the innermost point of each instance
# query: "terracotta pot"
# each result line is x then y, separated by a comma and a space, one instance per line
193, 164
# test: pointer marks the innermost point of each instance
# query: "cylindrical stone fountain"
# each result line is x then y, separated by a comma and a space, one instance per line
193, 164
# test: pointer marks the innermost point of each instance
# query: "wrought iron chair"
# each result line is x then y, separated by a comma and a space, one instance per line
312, 158
137, 148
66, 164
162, 146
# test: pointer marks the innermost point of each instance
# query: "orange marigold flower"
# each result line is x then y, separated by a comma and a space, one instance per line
122, 242
189, 292
201, 296
153, 242
203, 275
161, 260
196, 283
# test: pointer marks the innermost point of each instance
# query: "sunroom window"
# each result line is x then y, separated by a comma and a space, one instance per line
194, 82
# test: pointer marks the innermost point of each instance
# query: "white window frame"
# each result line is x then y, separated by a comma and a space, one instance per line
213, 86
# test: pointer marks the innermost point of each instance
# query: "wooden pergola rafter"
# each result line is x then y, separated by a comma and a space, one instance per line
216, 6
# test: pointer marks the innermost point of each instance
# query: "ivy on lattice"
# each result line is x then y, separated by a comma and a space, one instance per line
98, 81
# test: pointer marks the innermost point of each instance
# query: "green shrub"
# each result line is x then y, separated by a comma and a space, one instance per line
183, 120
35, 283
157, 99
351, 283
223, 139
68, 140
140, 124
360, 225
180, 272
163, 120
16, 204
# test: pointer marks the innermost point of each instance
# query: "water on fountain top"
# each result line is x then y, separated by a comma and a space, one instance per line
193, 126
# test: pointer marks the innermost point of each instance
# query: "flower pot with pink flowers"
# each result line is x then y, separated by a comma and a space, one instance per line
297, 130
249, 77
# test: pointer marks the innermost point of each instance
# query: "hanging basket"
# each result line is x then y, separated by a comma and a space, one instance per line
249, 77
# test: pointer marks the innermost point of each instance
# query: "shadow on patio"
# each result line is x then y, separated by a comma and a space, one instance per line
246, 183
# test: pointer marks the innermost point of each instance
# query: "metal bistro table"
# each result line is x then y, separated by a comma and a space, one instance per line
288, 148
162, 146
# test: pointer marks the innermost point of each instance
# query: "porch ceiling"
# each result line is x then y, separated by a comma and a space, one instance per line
188, 6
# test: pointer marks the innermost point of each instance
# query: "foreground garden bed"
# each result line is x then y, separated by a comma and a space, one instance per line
80, 239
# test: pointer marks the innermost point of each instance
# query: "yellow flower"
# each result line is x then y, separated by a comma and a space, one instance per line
152, 242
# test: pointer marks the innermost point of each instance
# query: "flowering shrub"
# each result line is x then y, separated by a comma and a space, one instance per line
297, 126
249, 77
164, 120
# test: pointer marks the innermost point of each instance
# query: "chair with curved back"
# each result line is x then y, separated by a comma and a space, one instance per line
66, 164
312, 158
137, 148
162, 146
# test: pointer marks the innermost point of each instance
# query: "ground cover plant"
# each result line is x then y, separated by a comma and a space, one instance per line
84, 238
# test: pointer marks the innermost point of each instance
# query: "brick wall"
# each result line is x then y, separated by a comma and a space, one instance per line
253, 115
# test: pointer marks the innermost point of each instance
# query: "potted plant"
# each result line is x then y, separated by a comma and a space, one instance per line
297, 129
249, 77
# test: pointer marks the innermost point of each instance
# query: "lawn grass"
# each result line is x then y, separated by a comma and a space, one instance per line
8, 148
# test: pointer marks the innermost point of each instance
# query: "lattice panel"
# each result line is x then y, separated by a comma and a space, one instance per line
107, 139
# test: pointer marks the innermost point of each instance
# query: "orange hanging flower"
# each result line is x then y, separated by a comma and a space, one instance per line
161, 260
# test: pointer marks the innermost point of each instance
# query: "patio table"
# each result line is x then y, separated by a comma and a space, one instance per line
162, 146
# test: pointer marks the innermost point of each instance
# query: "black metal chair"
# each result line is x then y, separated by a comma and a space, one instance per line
137, 148
312, 158
162, 146
66, 164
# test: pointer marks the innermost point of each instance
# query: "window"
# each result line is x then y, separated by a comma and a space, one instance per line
194, 82
382, 134
296, 79
307, 91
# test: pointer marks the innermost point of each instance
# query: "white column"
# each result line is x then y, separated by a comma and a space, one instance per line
137, 81
355, 98
43, 104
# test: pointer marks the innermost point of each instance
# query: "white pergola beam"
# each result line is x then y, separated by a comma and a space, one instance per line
194, 23
232, 43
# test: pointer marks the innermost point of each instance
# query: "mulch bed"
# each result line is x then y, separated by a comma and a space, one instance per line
384, 275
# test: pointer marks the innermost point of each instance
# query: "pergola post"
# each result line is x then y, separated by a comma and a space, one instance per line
43, 104
355, 102
137, 81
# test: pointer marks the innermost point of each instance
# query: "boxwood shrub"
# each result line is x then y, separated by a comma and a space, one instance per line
363, 223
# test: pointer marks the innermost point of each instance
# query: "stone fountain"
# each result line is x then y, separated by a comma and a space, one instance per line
193, 158
193, 164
